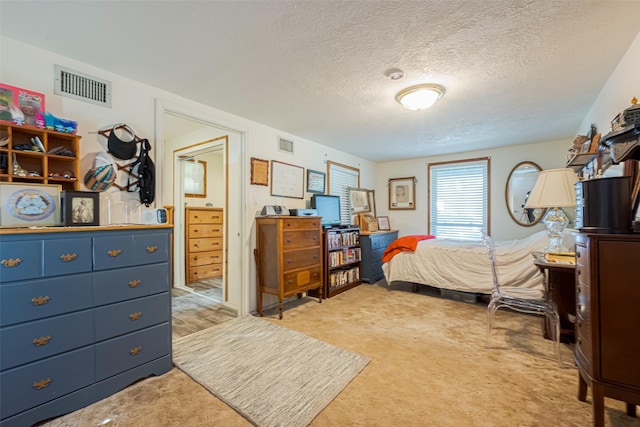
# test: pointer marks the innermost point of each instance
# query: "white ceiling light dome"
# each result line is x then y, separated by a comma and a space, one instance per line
420, 97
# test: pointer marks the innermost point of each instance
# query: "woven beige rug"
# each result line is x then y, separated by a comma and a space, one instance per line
271, 375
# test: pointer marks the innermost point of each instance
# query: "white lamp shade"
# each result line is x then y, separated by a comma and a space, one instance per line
554, 188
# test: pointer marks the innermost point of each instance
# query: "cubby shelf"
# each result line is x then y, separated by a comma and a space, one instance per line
41, 165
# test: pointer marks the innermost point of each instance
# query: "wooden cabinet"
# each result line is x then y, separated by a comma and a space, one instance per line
342, 257
83, 314
288, 257
373, 246
62, 168
608, 315
204, 243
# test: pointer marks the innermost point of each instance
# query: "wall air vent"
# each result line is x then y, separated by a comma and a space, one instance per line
285, 145
76, 85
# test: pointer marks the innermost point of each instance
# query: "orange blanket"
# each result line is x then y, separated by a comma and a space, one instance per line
403, 244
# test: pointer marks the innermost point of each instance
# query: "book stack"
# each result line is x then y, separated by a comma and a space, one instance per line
560, 257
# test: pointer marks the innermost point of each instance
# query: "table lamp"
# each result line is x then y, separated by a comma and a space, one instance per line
554, 189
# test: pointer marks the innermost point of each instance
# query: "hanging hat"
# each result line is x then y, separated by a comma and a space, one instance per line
102, 174
123, 146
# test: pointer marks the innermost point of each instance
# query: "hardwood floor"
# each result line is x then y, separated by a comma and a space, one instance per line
191, 312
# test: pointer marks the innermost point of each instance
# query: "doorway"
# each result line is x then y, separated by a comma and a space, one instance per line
201, 171
173, 121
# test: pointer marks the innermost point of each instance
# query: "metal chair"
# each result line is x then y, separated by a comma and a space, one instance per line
524, 300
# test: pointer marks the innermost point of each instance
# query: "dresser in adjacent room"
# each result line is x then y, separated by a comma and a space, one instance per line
288, 257
204, 243
373, 246
608, 316
83, 314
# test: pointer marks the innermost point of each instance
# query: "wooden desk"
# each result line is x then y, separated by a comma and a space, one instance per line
561, 284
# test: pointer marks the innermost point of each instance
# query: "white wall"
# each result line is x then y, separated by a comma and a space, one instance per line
134, 103
616, 94
547, 155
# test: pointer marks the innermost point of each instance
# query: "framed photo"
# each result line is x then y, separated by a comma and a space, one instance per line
315, 181
287, 180
81, 208
358, 201
383, 223
259, 172
29, 205
402, 193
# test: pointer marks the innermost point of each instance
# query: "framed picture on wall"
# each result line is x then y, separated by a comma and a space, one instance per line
402, 193
287, 180
259, 172
315, 182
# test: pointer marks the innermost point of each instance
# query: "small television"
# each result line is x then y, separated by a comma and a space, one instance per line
328, 208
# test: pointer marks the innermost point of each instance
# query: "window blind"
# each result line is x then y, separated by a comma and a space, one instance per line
340, 179
458, 199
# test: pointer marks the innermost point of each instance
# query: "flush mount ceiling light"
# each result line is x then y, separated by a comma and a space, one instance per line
420, 97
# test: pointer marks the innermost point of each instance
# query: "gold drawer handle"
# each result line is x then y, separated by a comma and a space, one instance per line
134, 351
40, 300
11, 262
42, 340
152, 249
134, 283
114, 252
39, 385
135, 316
68, 257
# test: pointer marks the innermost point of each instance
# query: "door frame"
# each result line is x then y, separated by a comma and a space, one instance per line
237, 272
203, 147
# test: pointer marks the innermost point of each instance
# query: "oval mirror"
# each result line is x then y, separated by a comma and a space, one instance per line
519, 184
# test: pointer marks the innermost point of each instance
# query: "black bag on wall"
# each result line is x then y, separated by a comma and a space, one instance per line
146, 174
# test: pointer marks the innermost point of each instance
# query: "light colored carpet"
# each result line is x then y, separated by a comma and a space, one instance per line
270, 374
429, 367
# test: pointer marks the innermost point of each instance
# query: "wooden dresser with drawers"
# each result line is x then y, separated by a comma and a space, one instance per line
608, 315
83, 314
288, 256
204, 244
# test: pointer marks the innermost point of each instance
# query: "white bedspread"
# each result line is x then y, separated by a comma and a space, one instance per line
464, 265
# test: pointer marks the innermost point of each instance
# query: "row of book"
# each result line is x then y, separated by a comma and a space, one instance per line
337, 240
560, 257
345, 256
344, 277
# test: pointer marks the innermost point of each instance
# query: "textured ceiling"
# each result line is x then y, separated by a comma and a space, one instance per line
515, 71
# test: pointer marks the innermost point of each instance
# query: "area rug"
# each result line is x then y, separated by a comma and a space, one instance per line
271, 375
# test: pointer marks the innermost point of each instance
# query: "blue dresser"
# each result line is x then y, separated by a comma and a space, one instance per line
373, 246
83, 314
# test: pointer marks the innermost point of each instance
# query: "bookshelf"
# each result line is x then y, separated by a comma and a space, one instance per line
342, 259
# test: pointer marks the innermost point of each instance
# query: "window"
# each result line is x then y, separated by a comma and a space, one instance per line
459, 199
340, 178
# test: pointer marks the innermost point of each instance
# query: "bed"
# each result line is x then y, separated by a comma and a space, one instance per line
464, 266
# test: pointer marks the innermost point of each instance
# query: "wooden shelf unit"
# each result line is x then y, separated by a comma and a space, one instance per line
36, 161
342, 260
